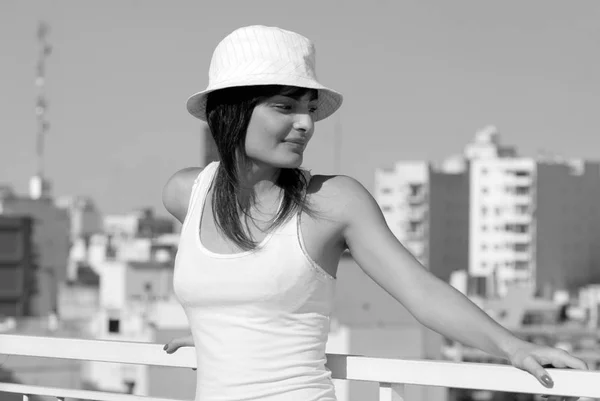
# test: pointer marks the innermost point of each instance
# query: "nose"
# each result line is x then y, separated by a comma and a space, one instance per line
304, 123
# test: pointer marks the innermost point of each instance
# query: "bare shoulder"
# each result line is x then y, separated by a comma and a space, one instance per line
359, 221
340, 196
177, 190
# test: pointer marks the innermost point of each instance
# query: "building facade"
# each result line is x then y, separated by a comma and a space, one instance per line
17, 264
427, 209
505, 219
51, 241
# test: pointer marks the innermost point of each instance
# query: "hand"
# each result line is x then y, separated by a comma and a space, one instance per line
533, 358
177, 343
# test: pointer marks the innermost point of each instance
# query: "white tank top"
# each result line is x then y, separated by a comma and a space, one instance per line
259, 319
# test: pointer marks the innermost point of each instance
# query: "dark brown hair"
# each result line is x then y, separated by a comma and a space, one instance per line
228, 114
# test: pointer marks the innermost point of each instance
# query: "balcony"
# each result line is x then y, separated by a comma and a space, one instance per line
391, 374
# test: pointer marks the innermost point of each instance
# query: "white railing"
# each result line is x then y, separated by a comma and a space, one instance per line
391, 374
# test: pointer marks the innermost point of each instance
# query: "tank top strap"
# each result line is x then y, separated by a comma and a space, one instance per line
199, 191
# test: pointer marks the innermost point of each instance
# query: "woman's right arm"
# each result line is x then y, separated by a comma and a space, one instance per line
176, 192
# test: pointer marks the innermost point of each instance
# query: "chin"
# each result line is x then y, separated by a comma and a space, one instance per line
291, 162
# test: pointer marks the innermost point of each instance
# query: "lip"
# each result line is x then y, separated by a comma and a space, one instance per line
299, 142
296, 146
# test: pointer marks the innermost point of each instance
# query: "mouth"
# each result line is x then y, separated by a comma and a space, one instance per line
298, 142
296, 146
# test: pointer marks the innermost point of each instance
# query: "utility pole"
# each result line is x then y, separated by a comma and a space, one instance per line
337, 143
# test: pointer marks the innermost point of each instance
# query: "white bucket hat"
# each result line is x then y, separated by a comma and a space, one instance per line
261, 55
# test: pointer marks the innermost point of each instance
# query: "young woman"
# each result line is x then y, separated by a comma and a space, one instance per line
261, 238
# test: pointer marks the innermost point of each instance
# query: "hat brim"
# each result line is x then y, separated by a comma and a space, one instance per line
327, 104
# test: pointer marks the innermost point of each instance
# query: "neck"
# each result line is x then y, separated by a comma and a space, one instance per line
259, 181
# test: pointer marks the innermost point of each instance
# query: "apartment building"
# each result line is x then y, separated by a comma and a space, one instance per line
17, 264
427, 209
51, 237
505, 219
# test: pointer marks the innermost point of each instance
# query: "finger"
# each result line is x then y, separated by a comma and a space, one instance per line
556, 363
172, 346
172, 349
531, 365
563, 359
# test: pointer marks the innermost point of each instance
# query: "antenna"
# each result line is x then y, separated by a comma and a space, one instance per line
38, 186
41, 104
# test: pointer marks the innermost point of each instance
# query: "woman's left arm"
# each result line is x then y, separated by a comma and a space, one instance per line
434, 303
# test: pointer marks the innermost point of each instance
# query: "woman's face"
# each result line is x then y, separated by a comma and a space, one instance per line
279, 130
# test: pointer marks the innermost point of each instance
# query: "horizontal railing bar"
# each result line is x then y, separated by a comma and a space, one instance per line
481, 376
76, 394
129, 352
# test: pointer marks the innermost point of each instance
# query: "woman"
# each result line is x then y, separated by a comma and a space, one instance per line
261, 239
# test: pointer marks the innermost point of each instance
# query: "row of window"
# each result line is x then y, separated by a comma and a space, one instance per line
413, 189
512, 190
517, 247
518, 209
518, 228
517, 264
516, 173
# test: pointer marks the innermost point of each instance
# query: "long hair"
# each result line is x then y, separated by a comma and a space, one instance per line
228, 114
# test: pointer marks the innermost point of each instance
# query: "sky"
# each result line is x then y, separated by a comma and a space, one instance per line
418, 79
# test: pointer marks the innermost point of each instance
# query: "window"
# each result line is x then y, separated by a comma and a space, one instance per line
520, 265
113, 325
386, 208
517, 228
521, 247
415, 189
484, 210
386, 190
413, 226
484, 190
520, 190
521, 228
521, 209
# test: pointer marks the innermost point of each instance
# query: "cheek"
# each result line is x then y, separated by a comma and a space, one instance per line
260, 143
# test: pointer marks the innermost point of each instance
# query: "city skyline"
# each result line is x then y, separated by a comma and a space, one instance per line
120, 74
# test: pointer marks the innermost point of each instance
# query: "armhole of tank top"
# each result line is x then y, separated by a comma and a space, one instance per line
300, 238
196, 189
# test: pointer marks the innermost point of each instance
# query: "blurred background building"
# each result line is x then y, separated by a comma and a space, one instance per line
505, 219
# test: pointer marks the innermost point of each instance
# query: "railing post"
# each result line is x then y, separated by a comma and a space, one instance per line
391, 392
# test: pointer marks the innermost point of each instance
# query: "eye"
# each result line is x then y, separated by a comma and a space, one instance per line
313, 109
